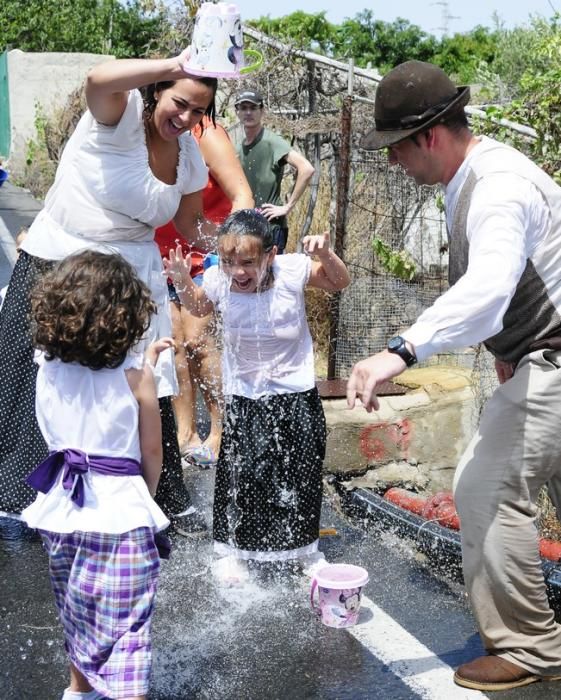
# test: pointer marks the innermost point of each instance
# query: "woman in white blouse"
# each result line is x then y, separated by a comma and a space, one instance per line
130, 165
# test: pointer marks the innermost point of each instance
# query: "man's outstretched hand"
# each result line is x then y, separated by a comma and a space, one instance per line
368, 375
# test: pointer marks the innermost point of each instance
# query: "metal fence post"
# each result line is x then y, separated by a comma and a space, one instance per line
343, 181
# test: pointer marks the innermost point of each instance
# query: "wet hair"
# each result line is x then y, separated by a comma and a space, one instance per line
91, 308
150, 101
248, 222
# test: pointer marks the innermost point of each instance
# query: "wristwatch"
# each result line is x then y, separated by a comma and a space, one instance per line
399, 347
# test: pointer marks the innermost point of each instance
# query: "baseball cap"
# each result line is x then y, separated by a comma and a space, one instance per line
249, 96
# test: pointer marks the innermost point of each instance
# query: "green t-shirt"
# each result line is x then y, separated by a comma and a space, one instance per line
263, 162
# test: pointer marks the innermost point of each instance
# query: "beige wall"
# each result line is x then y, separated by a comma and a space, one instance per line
44, 79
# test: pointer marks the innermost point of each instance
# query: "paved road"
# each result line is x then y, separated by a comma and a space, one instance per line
17, 209
261, 641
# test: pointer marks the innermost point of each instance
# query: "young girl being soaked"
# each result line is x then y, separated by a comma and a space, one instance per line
97, 409
268, 488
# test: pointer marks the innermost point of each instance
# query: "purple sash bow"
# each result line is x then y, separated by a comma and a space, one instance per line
75, 464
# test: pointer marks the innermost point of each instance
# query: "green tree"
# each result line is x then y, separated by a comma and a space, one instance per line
460, 55
382, 44
92, 26
305, 31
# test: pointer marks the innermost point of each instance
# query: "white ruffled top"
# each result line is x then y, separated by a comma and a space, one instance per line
94, 411
105, 197
104, 189
267, 345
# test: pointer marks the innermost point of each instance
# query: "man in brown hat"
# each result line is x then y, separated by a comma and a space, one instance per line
504, 219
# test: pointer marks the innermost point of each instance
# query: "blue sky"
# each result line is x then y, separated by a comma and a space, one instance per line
428, 14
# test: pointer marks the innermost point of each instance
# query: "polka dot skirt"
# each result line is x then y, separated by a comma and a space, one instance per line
172, 495
268, 486
21, 444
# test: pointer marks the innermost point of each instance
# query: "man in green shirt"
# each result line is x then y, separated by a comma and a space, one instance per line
263, 155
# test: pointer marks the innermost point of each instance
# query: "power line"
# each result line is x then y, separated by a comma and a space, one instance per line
445, 17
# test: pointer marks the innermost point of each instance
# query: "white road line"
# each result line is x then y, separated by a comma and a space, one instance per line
8, 243
408, 659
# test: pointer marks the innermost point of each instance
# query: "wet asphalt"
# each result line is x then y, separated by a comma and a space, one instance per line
260, 641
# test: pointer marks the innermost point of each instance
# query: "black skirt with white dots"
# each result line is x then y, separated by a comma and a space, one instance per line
269, 474
22, 446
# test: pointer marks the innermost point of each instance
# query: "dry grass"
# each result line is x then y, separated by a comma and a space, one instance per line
548, 523
318, 302
44, 153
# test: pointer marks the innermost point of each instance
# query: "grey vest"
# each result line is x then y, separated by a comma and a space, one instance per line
532, 320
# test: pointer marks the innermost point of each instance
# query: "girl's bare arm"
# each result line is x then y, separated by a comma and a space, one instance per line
143, 386
329, 272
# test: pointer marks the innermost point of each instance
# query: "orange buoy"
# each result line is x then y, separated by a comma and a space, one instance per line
405, 499
550, 549
446, 515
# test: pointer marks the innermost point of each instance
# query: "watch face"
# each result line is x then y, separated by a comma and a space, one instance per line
395, 343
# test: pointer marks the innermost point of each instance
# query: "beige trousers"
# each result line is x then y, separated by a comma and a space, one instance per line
516, 450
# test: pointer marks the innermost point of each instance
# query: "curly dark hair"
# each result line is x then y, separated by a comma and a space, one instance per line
91, 308
149, 95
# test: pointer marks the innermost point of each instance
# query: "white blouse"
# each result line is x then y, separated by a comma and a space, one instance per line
104, 189
508, 221
105, 197
94, 411
267, 343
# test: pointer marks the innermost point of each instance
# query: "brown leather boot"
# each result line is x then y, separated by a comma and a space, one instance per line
494, 673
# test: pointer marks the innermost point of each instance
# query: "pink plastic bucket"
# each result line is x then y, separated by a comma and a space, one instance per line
339, 588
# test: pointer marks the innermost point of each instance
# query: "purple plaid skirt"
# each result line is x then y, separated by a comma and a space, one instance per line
104, 588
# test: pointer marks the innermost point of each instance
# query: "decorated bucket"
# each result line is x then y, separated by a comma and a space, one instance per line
217, 44
339, 593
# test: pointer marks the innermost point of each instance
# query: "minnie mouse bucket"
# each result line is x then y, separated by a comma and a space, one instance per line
217, 44
339, 589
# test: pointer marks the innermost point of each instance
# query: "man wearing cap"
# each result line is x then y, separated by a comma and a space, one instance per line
263, 155
503, 216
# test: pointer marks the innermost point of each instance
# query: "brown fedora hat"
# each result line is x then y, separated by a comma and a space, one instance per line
412, 97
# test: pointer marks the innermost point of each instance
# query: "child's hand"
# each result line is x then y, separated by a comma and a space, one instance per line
177, 267
317, 245
154, 349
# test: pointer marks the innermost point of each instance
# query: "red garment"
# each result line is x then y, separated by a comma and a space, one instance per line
166, 237
216, 207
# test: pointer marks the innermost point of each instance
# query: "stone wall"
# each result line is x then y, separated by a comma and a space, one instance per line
45, 80
415, 439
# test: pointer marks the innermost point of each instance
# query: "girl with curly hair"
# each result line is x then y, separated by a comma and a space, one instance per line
97, 409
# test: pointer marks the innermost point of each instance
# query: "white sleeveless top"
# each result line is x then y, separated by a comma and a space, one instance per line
104, 189
94, 411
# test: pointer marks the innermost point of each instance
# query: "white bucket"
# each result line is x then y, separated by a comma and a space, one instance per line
217, 43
